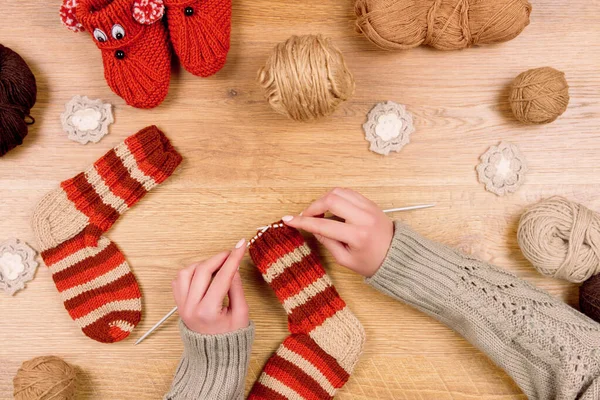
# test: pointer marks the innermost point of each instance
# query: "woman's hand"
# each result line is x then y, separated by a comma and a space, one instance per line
199, 296
360, 242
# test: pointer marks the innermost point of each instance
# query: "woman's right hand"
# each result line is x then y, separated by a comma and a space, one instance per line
361, 241
199, 296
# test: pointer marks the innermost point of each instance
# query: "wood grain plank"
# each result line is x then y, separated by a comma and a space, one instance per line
246, 166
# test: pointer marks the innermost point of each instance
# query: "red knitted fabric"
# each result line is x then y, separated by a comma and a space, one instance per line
200, 31
92, 276
327, 339
134, 45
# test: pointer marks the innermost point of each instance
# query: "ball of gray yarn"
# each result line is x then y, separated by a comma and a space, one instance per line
561, 239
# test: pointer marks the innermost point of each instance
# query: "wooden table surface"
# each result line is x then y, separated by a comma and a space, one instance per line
245, 166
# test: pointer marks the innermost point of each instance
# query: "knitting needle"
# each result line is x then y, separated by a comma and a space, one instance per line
263, 229
392, 210
159, 323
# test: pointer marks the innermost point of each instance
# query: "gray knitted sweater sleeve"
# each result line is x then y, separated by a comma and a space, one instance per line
548, 348
212, 366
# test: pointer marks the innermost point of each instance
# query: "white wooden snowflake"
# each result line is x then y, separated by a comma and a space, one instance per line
86, 120
502, 169
388, 127
17, 265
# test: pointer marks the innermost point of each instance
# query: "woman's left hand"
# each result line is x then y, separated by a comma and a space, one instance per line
199, 296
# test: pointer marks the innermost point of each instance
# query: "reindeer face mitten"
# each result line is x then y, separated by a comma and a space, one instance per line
134, 45
200, 32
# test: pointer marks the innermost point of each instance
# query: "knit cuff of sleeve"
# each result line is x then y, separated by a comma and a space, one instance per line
417, 270
212, 366
197, 342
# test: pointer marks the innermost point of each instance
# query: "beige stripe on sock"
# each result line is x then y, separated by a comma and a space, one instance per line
96, 283
108, 197
286, 261
120, 305
129, 162
307, 367
278, 386
342, 336
307, 293
80, 255
123, 325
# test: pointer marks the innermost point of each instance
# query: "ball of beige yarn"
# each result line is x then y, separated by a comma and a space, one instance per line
306, 78
561, 239
539, 96
45, 378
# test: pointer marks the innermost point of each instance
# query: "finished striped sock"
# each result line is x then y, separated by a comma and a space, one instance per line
92, 276
326, 338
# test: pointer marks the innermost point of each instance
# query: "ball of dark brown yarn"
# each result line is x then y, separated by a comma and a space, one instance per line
45, 378
589, 298
18, 92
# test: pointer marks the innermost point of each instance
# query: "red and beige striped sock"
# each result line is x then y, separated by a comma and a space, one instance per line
95, 282
326, 338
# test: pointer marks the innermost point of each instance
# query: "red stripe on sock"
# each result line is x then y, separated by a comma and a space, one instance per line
102, 330
296, 278
153, 152
95, 302
89, 269
73, 245
116, 176
294, 378
86, 200
271, 247
126, 280
314, 312
305, 346
261, 392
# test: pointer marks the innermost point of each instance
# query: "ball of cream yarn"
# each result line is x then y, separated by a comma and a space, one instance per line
45, 378
306, 78
539, 96
561, 239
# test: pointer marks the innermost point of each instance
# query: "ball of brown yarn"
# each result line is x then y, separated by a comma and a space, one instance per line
306, 78
45, 378
561, 239
18, 91
443, 24
539, 96
589, 298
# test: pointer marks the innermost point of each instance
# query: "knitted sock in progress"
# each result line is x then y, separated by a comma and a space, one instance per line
200, 31
326, 338
92, 276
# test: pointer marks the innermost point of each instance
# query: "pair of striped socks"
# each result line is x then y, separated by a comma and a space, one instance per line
92, 276
326, 338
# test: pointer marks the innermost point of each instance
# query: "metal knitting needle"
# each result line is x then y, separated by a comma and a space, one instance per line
170, 313
392, 210
263, 229
159, 323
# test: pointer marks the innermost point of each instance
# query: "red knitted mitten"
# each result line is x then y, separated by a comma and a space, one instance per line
326, 338
95, 282
134, 45
200, 32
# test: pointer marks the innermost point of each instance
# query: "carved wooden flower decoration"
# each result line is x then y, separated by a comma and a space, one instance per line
86, 120
388, 127
502, 169
17, 265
